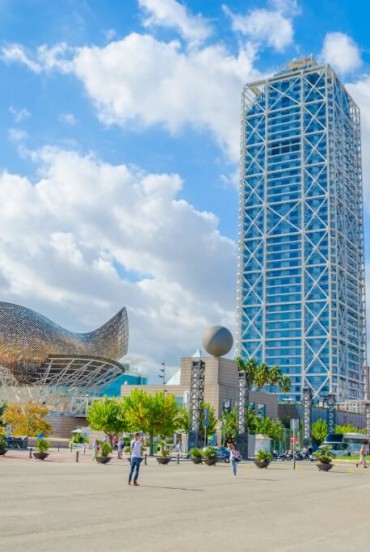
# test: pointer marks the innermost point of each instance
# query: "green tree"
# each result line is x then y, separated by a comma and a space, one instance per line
28, 419
269, 428
107, 415
319, 431
230, 424
2, 417
183, 419
152, 414
257, 376
349, 428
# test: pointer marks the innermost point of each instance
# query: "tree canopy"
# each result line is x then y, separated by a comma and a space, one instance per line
183, 419
28, 419
319, 431
107, 415
259, 375
152, 414
349, 428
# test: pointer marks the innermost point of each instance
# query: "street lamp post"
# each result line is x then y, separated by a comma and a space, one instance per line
162, 375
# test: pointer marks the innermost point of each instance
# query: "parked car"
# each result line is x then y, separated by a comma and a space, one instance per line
222, 453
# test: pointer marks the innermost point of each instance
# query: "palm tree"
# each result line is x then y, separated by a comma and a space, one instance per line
254, 376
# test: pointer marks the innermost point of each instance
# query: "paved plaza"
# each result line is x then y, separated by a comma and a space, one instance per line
60, 505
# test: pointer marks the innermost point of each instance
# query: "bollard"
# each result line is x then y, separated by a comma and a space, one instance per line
178, 458
84, 449
71, 447
58, 446
30, 452
146, 459
77, 455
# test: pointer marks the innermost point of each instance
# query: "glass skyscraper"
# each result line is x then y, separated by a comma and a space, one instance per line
301, 301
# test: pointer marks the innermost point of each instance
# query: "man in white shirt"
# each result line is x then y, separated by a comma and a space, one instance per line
136, 444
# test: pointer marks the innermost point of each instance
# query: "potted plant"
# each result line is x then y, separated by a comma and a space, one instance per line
324, 459
104, 450
3, 449
165, 457
196, 455
263, 458
210, 456
41, 446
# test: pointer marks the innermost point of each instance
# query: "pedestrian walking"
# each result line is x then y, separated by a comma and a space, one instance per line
95, 449
136, 445
362, 457
235, 458
120, 448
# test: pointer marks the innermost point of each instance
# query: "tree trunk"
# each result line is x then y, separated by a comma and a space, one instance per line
151, 444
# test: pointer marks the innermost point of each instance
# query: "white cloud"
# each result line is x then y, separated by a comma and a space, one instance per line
88, 237
273, 28
19, 114
45, 59
68, 119
110, 34
173, 14
144, 82
17, 135
147, 82
341, 52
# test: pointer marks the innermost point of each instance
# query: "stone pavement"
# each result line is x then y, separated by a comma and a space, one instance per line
64, 506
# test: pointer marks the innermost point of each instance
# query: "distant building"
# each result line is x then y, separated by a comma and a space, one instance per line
301, 302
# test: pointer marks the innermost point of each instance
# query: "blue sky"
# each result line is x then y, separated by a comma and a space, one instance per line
119, 152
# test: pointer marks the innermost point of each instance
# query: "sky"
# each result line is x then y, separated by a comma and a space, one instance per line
119, 157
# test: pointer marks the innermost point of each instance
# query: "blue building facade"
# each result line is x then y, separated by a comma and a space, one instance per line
301, 302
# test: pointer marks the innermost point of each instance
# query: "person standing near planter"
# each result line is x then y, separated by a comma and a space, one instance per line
235, 458
362, 457
136, 445
95, 449
120, 448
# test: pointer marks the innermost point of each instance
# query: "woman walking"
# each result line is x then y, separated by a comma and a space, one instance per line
235, 458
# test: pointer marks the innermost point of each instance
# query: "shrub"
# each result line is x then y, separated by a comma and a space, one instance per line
42, 445
105, 449
209, 452
195, 453
79, 438
324, 455
263, 455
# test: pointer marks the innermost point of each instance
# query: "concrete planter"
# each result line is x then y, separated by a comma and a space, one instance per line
262, 464
164, 460
103, 459
324, 467
210, 461
196, 460
40, 455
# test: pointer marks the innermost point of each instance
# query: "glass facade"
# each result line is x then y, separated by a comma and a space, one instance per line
301, 261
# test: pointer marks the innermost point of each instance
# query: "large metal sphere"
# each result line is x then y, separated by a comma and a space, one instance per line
217, 341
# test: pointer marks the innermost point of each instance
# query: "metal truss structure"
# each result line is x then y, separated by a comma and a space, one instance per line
62, 383
242, 402
196, 400
301, 298
307, 416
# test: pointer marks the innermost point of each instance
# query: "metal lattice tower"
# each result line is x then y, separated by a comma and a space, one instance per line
301, 299
196, 394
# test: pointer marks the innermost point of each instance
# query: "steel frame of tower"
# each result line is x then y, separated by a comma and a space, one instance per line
326, 214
